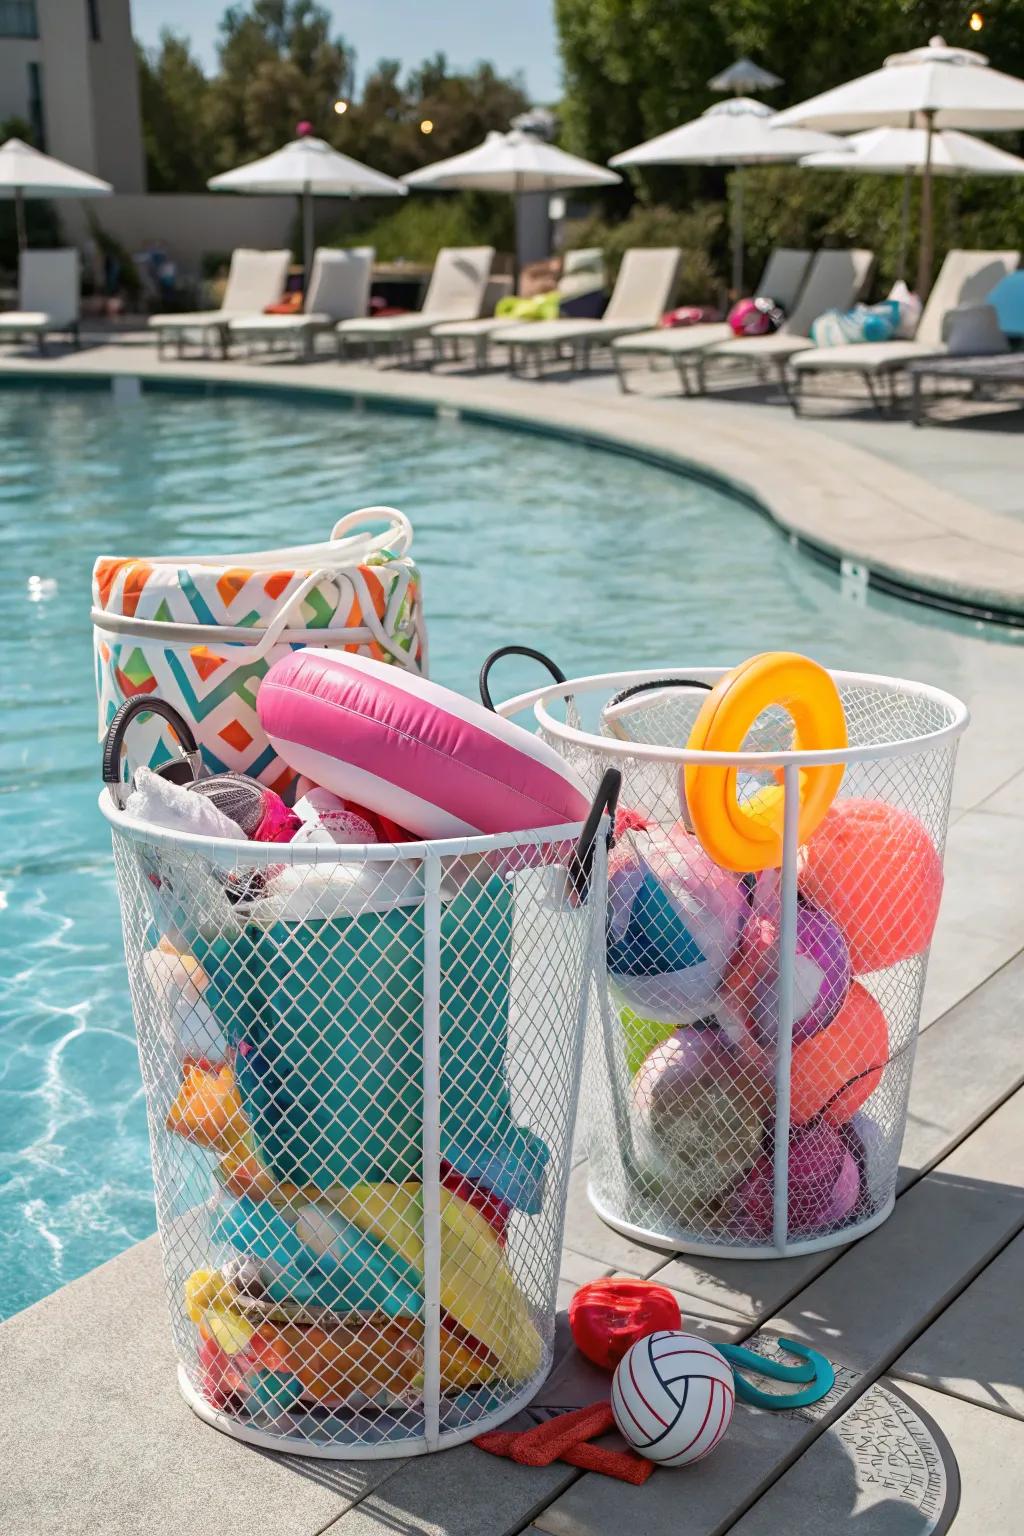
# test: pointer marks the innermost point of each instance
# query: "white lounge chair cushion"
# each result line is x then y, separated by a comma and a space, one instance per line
549, 332
676, 339
390, 325
255, 325
473, 328
24, 320
778, 345
864, 357
199, 318
48, 287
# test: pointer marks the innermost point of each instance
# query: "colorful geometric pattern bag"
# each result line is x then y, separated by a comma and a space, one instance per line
200, 631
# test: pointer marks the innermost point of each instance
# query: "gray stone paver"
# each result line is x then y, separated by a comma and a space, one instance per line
975, 1349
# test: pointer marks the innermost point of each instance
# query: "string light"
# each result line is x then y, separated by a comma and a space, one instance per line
426, 126
976, 22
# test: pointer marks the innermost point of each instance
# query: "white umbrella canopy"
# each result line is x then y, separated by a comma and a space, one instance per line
512, 162
738, 132
744, 76
307, 168
937, 87
27, 172
905, 151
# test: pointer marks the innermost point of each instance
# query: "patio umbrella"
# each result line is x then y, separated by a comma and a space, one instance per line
743, 77
934, 87
307, 168
905, 151
27, 172
738, 132
514, 162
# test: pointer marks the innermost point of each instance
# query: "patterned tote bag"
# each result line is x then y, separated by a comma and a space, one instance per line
202, 631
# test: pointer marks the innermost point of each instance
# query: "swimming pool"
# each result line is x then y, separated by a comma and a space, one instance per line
599, 559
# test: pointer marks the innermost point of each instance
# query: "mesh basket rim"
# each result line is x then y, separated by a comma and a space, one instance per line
538, 699
326, 854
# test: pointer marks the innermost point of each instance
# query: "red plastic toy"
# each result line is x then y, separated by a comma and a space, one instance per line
608, 1316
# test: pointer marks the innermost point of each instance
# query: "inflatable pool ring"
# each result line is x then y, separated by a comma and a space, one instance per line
674, 920
427, 758
837, 1070
875, 870
824, 1186
749, 836
821, 970
703, 1111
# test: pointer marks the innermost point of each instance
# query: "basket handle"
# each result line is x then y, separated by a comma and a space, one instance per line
651, 686
181, 770
398, 537
606, 800
513, 650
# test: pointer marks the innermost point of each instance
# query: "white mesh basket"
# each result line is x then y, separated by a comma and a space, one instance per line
361, 1069
788, 998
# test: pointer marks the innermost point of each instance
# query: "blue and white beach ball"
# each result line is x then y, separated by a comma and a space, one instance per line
674, 921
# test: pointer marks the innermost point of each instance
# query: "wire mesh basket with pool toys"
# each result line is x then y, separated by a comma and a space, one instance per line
773, 891
361, 1057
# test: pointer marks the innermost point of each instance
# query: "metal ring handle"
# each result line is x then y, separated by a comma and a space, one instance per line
113, 742
514, 650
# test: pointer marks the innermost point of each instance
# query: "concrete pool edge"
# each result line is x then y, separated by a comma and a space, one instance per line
878, 524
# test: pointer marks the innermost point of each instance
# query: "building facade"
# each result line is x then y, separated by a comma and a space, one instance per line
68, 68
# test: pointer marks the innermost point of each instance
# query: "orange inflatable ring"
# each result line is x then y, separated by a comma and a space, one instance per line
749, 837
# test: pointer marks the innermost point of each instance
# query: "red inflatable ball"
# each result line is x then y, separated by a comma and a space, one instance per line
874, 869
607, 1317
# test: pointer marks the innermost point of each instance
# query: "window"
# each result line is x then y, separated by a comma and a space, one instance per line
35, 105
18, 18
93, 8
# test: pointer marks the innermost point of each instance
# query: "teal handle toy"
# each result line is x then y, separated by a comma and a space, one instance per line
815, 1370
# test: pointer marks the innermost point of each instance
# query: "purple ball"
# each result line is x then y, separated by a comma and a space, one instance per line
821, 975
824, 1185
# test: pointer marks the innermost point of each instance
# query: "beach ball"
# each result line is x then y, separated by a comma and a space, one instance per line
674, 921
874, 869
835, 1071
607, 1316
824, 1185
673, 1396
821, 970
640, 1036
701, 1108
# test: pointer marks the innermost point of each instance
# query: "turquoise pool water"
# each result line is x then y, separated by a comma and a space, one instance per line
598, 559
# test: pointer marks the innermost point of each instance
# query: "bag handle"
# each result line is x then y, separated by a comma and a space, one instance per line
605, 801
181, 770
397, 539
513, 650
653, 685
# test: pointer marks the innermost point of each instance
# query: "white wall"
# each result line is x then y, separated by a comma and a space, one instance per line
114, 79
187, 225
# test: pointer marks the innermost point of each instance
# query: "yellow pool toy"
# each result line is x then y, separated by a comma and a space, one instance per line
748, 837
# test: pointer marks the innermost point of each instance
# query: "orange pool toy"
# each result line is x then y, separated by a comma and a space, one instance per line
876, 872
835, 1071
736, 836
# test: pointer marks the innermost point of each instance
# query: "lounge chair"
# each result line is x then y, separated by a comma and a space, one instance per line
48, 295
339, 289
457, 288
965, 278
255, 279
835, 280
582, 273
781, 280
641, 294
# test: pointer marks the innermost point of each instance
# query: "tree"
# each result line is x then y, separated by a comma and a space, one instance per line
278, 66
175, 98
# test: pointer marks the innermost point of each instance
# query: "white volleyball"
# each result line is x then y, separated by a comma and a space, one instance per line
672, 1396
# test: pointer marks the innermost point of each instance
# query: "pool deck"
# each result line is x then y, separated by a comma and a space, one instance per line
922, 1316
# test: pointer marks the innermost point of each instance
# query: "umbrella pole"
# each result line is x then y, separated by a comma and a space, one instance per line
904, 225
19, 216
924, 259
308, 238
737, 234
